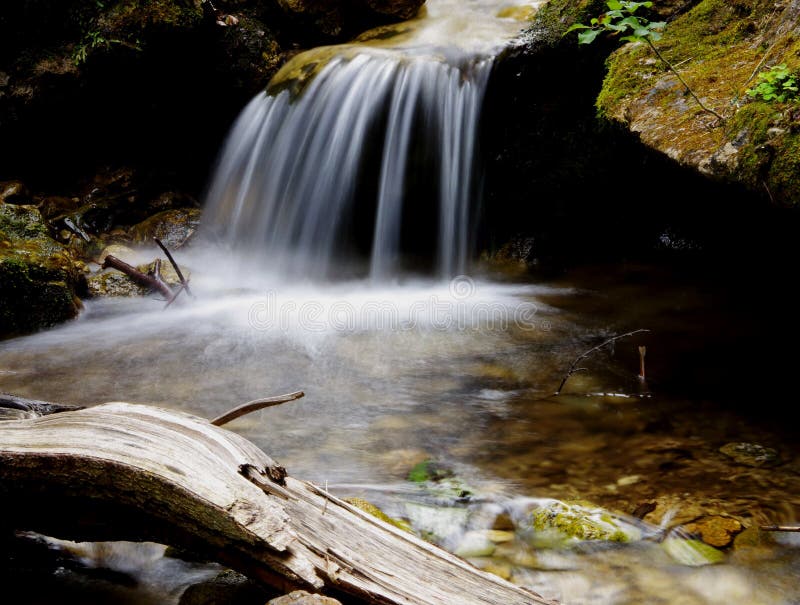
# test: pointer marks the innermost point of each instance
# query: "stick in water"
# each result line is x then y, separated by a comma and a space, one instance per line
184, 283
256, 404
573, 367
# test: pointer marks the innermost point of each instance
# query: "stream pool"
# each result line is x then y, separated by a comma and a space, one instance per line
461, 374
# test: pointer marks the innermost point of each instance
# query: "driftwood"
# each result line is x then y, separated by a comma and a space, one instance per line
119, 471
256, 404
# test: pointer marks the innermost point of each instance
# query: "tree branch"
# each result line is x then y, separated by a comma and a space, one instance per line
256, 404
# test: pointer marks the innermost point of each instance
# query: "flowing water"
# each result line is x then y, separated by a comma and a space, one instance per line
399, 369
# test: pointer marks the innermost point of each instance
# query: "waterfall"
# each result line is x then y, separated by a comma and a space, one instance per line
381, 142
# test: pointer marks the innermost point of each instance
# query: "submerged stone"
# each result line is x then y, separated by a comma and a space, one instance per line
752, 454
692, 553
715, 530
561, 521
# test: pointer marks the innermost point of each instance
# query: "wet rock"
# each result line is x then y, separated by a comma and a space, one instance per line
518, 252
335, 19
14, 192
58, 205
226, 587
716, 530
121, 252
174, 228
111, 282
301, 597
556, 521
692, 553
38, 276
751, 454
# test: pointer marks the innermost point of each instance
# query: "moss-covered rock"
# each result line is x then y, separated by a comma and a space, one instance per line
38, 277
553, 520
718, 46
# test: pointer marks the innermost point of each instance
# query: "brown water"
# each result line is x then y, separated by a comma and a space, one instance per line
385, 390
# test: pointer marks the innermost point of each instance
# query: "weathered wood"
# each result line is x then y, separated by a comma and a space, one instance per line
255, 405
123, 471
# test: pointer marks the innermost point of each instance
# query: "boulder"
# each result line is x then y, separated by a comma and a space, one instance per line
174, 228
38, 276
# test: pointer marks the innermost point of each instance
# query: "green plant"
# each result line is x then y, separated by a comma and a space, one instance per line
94, 39
778, 84
620, 19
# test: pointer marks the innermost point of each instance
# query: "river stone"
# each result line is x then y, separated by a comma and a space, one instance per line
14, 192
715, 530
301, 597
118, 250
578, 521
173, 227
692, 553
475, 544
111, 282
751, 454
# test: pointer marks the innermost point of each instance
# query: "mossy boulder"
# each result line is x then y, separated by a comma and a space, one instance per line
719, 47
38, 276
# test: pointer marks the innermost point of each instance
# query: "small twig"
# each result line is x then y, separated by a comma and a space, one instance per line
184, 281
688, 88
256, 404
793, 528
573, 368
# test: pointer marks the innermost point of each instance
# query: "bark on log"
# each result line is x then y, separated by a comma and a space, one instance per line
122, 471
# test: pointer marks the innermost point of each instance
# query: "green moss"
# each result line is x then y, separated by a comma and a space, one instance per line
376, 512
33, 295
553, 19
580, 522
140, 14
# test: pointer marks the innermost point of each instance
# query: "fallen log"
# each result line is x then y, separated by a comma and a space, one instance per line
120, 471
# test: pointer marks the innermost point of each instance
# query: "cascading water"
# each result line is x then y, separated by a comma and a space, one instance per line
377, 118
